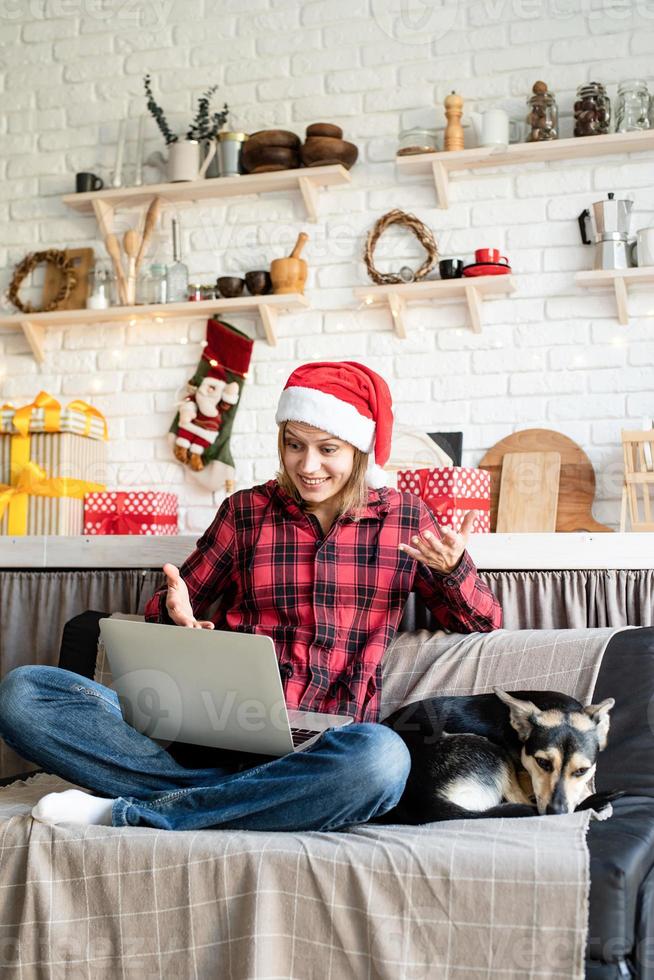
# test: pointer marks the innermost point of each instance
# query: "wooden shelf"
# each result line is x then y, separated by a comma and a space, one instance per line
267, 308
440, 165
472, 290
618, 280
306, 180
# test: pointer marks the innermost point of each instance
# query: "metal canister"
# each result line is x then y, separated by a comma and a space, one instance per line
229, 153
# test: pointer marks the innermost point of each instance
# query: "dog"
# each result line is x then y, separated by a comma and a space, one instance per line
523, 754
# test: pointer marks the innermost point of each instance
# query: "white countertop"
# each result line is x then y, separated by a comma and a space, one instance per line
489, 551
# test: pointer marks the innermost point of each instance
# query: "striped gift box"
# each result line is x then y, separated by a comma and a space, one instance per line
71, 420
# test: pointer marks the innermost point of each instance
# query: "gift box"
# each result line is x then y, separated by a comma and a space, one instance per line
49, 458
130, 512
450, 492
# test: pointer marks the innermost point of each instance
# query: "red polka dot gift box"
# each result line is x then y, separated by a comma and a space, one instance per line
130, 512
450, 492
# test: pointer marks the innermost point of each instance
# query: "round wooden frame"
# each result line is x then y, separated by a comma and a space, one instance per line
421, 232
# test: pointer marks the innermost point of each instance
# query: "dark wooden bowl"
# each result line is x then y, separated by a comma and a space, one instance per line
319, 151
230, 286
259, 158
258, 282
276, 137
324, 129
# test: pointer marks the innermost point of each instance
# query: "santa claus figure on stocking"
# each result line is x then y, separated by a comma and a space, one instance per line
201, 416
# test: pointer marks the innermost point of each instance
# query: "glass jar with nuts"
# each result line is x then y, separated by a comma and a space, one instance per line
543, 115
592, 110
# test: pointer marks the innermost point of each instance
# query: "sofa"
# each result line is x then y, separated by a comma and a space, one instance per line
621, 907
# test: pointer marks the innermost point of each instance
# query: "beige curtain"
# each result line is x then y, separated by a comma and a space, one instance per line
574, 599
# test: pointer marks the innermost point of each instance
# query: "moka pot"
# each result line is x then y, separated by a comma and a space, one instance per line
611, 222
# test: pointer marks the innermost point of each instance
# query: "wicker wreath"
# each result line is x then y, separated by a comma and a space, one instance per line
422, 233
53, 257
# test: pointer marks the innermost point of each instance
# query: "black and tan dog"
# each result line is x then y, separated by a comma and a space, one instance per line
499, 755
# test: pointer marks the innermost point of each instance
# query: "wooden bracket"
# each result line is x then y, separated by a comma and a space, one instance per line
621, 300
269, 321
104, 215
442, 182
474, 307
396, 304
309, 196
34, 334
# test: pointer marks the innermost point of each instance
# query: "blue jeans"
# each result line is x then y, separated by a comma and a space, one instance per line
73, 727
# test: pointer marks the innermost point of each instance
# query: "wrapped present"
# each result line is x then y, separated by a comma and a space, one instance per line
450, 492
49, 458
130, 512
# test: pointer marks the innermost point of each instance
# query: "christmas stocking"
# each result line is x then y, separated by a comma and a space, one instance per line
203, 424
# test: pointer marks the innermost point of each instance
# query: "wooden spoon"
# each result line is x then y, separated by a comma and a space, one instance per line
151, 219
113, 248
131, 243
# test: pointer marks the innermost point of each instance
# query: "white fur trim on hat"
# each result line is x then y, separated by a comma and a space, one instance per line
328, 413
375, 476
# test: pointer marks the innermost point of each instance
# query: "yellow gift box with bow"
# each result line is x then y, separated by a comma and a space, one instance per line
49, 458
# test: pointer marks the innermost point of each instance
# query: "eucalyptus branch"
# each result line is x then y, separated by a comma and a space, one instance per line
158, 114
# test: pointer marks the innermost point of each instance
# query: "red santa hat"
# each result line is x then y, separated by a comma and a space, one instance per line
347, 400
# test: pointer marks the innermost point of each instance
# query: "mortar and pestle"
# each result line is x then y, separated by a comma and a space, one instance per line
290, 274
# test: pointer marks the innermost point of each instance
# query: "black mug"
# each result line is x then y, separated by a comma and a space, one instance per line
450, 268
88, 182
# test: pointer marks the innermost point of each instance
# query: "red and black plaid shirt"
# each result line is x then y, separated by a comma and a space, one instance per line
331, 603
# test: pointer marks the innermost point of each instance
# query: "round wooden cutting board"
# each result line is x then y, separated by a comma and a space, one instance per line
577, 479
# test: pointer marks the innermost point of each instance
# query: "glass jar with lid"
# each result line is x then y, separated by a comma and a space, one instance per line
417, 140
100, 288
632, 107
592, 110
543, 116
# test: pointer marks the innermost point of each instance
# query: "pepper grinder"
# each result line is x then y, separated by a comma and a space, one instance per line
454, 129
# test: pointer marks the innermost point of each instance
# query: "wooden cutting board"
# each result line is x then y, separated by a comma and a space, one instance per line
82, 259
529, 492
576, 482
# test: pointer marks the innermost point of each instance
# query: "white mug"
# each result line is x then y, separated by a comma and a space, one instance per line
642, 251
491, 127
184, 160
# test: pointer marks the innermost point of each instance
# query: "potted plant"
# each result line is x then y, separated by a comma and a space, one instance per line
184, 155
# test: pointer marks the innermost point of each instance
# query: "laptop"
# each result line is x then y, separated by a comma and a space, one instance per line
206, 687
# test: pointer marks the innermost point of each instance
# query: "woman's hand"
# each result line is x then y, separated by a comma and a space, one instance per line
444, 554
178, 603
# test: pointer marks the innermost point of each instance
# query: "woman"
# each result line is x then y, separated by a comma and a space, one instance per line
321, 559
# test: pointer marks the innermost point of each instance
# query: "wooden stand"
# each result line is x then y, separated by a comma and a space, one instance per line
638, 451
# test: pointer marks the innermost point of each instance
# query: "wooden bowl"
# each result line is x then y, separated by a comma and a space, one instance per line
319, 151
259, 158
230, 286
325, 129
276, 137
258, 282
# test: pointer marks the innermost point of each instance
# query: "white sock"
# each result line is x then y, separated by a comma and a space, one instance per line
73, 806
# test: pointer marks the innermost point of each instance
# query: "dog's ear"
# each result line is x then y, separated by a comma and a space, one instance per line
523, 714
600, 715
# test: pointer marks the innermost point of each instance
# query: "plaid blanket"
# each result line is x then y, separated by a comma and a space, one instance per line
493, 898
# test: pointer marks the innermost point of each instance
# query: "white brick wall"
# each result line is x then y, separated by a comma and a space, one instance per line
551, 355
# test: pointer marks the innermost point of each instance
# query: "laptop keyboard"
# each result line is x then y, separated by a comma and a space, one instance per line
300, 735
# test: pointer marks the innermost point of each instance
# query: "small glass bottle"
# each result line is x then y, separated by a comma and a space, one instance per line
415, 140
177, 273
159, 283
543, 116
592, 110
632, 107
143, 292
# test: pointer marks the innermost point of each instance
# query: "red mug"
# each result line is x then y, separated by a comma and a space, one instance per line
490, 255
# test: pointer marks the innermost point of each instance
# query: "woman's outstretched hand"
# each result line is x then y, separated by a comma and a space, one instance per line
444, 554
178, 603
